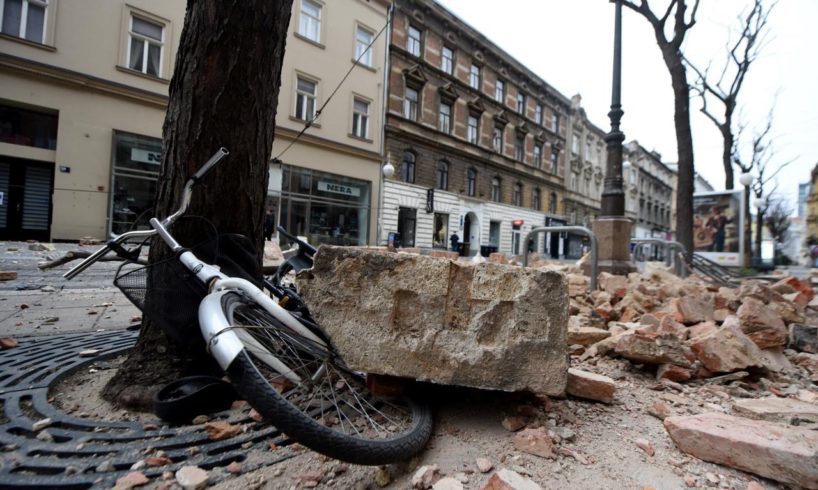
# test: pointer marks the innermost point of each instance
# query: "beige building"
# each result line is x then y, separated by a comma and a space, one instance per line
83, 92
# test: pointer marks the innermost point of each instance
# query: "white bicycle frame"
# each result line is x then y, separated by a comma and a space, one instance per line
223, 341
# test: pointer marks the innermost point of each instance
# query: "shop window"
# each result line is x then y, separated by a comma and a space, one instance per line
494, 233
135, 168
27, 127
407, 218
440, 238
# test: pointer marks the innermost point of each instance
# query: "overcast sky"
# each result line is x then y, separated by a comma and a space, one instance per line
570, 45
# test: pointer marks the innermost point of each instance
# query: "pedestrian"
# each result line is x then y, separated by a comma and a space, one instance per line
455, 240
269, 225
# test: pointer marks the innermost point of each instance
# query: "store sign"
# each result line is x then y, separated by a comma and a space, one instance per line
145, 156
334, 188
430, 200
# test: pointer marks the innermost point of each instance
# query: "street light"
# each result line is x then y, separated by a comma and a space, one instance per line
387, 171
746, 179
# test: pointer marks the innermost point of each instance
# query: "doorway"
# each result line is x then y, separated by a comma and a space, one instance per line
25, 199
407, 218
471, 234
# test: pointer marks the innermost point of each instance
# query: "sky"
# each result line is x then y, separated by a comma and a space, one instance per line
569, 44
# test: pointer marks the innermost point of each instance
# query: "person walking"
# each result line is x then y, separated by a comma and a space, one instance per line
455, 241
269, 225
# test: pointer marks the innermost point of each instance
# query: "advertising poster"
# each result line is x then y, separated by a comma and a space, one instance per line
717, 226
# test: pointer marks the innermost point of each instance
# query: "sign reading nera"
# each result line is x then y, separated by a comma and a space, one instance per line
145, 156
334, 188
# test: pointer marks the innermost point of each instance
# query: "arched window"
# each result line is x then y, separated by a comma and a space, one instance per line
552, 203
517, 196
495, 190
442, 175
535, 199
471, 182
407, 167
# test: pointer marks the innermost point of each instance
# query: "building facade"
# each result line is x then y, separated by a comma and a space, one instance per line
477, 139
651, 200
584, 175
83, 93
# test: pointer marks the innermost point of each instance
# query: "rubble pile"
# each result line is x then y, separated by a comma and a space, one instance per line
748, 354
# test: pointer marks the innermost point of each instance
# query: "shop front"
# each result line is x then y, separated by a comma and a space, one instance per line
134, 172
324, 207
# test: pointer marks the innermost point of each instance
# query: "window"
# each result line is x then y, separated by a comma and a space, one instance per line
444, 121
538, 114
471, 182
552, 203
25, 19
309, 23
535, 199
496, 193
413, 41
145, 46
360, 118
440, 237
500, 91
521, 103
363, 38
588, 150
447, 60
410, 104
27, 127
538, 155
442, 175
305, 99
497, 139
517, 196
474, 77
474, 130
407, 167
555, 123
519, 147
575, 144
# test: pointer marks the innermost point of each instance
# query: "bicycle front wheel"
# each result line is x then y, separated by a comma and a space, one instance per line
306, 391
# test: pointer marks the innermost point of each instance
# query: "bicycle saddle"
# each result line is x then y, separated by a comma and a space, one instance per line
182, 400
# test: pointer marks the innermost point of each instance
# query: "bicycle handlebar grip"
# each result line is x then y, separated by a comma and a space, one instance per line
86, 263
221, 153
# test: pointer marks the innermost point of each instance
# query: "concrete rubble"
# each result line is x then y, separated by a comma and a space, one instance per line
486, 325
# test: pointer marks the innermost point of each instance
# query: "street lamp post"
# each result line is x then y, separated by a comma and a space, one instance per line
612, 228
387, 170
746, 179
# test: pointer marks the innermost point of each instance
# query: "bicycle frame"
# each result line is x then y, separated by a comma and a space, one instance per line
222, 339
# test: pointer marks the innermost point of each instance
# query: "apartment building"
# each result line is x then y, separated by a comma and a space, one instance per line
585, 174
476, 139
83, 92
650, 194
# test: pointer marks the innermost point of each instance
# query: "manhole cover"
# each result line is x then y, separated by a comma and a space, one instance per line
81, 452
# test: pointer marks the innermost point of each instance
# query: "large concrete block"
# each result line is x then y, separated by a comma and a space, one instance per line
488, 325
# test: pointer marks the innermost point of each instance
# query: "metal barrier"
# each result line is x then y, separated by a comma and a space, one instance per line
673, 252
575, 229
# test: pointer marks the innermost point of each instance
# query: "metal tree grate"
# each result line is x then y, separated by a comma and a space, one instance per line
81, 445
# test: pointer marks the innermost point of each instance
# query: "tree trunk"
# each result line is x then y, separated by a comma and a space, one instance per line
759, 229
727, 156
224, 92
684, 146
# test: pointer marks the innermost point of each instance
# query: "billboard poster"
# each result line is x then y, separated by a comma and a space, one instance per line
717, 226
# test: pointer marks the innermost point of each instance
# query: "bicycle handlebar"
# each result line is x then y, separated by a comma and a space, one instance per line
184, 203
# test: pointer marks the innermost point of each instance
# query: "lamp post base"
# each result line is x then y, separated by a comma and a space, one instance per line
613, 235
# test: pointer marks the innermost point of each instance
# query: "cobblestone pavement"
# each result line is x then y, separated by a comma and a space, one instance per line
42, 302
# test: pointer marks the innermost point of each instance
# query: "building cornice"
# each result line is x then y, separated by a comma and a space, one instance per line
84, 81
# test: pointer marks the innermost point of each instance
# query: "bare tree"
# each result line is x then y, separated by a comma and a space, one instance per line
224, 92
777, 218
726, 88
670, 44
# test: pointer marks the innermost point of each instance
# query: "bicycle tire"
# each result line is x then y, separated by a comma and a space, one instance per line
286, 410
